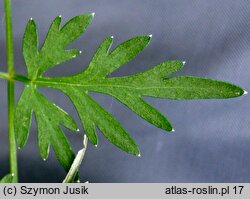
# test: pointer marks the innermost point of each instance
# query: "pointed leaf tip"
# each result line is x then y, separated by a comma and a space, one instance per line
167, 126
245, 92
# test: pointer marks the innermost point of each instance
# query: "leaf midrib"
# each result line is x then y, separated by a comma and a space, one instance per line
58, 84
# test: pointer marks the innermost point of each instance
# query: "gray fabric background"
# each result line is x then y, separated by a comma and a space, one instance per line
211, 142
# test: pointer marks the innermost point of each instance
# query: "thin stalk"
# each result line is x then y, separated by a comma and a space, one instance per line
4, 75
73, 172
11, 88
15, 77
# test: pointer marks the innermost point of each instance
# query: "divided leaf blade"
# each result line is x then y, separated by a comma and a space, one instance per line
53, 50
129, 90
48, 117
105, 62
90, 110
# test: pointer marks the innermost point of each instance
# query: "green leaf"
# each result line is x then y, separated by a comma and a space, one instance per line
53, 50
113, 60
48, 117
7, 179
134, 101
129, 90
92, 114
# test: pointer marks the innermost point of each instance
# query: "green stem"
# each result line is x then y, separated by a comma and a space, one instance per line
11, 89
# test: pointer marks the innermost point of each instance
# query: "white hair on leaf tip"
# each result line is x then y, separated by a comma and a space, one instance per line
245, 92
